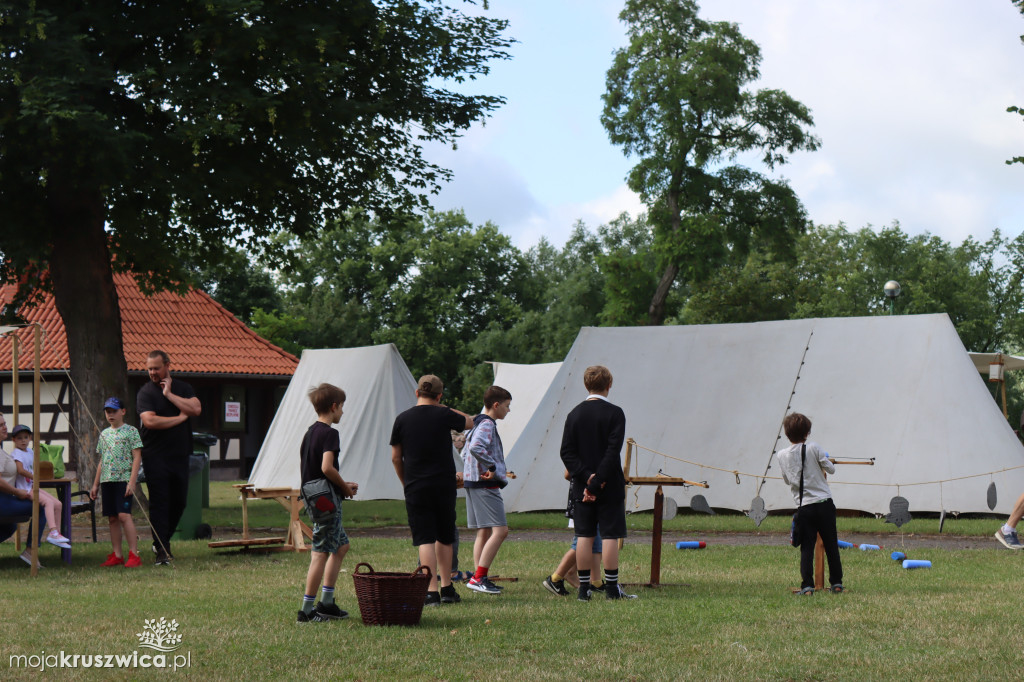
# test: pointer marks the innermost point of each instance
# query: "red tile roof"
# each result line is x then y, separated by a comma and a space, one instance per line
198, 333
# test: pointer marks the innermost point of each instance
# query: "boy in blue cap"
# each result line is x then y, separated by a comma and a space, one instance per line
120, 450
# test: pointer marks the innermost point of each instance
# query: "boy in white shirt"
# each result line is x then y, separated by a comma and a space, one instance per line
804, 466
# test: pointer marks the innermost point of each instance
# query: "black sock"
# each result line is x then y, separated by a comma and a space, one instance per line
611, 577
584, 578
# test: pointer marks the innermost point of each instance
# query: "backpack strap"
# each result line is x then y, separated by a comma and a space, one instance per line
803, 456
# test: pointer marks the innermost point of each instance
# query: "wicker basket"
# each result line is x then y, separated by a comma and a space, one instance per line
390, 598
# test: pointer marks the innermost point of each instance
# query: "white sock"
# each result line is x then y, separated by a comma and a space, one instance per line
1008, 529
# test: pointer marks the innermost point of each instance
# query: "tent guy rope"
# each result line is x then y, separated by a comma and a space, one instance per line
839, 460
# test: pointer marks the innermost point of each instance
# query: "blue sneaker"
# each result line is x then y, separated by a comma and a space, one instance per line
1009, 540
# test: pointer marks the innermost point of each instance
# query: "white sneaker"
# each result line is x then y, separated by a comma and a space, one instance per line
483, 585
26, 556
55, 538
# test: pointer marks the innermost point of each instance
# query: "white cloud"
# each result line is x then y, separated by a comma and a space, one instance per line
556, 224
909, 100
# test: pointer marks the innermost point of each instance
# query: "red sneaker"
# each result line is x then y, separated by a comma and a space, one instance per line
133, 560
112, 560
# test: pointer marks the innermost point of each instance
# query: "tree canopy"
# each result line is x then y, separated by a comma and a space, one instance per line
1017, 109
678, 99
474, 297
132, 133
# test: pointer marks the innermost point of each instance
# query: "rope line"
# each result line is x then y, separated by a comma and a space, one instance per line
789, 404
831, 481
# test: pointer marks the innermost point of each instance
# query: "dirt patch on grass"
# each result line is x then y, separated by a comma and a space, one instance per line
83, 533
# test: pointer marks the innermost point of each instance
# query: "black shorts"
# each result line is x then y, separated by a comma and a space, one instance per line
609, 516
114, 501
431, 514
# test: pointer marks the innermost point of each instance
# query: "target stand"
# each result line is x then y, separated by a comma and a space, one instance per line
659, 509
819, 544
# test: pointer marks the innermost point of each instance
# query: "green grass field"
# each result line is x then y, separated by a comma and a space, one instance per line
730, 615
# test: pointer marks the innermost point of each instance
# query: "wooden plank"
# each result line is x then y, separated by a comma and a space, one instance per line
245, 542
272, 493
664, 480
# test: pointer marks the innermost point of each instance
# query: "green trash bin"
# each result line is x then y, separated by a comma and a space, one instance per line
201, 444
191, 525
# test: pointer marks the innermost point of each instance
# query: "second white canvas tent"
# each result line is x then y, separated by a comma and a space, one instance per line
901, 389
378, 386
527, 384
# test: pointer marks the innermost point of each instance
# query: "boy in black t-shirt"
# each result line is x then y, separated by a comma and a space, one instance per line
319, 459
421, 451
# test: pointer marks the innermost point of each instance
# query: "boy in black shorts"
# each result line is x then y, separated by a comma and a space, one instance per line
319, 459
591, 447
421, 452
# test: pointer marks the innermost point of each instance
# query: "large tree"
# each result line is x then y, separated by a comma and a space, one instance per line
429, 285
678, 99
1017, 109
130, 132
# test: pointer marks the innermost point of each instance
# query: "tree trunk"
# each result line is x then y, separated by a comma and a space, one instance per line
656, 313
83, 289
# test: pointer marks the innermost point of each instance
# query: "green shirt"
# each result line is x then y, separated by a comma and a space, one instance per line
115, 447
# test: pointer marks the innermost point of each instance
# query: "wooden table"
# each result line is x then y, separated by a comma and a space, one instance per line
289, 499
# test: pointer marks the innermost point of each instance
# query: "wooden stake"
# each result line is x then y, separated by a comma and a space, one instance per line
37, 343
819, 564
659, 503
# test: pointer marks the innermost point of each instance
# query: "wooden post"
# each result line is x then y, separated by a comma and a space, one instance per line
819, 564
15, 353
38, 353
1006, 415
659, 503
245, 513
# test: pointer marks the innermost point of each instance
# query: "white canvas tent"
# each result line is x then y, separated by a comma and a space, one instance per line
983, 360
378, 386
527, 384
901, 389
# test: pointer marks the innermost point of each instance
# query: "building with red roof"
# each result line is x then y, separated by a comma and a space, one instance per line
238, 376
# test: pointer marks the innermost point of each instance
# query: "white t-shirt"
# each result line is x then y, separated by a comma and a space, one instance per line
816, 465
26, 458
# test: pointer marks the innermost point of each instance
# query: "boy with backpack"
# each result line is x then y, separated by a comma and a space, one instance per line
483, 476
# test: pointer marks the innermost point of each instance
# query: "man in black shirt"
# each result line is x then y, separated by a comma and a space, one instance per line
421, 451
164, 409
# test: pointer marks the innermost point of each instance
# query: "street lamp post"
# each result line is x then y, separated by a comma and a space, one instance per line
892, 290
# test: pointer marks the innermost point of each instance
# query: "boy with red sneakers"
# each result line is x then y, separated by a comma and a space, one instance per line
484, 475
120, 449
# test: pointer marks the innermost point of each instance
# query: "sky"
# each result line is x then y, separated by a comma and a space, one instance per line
909, 100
